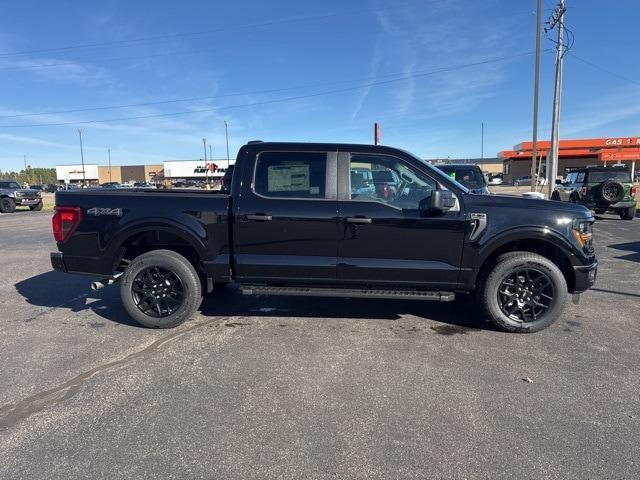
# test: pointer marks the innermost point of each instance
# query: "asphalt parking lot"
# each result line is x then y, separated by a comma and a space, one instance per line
277, 387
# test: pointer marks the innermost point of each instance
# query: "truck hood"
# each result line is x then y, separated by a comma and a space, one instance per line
548, 206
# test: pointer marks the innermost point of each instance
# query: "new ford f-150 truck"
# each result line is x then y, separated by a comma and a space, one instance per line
292, 223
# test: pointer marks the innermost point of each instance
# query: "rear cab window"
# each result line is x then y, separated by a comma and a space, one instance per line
300, 175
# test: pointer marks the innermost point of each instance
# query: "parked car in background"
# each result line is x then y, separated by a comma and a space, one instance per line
12, 195
110, 185
143, 185
602, 189
38, 187
362, 183
386, 182
495, 179
468, 175
526, 180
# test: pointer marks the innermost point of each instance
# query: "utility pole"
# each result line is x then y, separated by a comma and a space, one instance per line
481, 144
109, 153
25, 162
210, 153
226, 134
536, 93
82, 157
557, 19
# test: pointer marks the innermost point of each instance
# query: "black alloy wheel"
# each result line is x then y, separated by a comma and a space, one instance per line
526, 294
157, 292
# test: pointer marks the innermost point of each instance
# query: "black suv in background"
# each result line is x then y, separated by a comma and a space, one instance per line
468, 175
600, 189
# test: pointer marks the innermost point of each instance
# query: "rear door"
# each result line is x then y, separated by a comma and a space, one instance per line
384, 240
286, 218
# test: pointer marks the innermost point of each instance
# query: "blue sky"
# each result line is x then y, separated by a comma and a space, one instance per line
401, 63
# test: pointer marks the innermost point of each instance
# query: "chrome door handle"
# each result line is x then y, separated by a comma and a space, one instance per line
357, 220
259, 217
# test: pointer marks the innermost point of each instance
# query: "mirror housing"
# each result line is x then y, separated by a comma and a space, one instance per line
439, 202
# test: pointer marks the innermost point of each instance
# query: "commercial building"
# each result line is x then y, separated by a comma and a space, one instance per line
169, 170
487, 165
516, 163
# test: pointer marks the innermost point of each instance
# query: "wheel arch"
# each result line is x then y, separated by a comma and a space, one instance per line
141, 238
547, 244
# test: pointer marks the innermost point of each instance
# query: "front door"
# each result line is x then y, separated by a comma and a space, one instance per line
285, 218
384, 239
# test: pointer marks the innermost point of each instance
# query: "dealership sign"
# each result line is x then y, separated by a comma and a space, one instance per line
69, 173
194, 168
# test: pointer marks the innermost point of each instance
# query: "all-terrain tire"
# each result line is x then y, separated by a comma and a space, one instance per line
160, 261
610, 191
507, 265
628, 213
7, 205
37, 207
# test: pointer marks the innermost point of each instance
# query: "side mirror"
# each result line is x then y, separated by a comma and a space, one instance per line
439, 202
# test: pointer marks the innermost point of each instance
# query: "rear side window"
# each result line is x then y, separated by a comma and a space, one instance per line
596, 176
580, 178
291, 174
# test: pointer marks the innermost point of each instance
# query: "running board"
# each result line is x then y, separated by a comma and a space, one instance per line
348, 292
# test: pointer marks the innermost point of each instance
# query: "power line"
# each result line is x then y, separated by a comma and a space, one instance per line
266, 102
164, 38
155, 38
255, 92
598, 67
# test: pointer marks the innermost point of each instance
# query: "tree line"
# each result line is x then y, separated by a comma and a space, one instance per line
31, 175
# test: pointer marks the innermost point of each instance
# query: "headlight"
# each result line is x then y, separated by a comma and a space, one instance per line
583, 233
18, 194
38, 193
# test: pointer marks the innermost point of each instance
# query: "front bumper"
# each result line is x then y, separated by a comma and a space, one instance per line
585, 276
57, 262
24, 202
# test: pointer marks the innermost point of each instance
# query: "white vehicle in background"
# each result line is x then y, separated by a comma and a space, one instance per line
495, 179
526, 180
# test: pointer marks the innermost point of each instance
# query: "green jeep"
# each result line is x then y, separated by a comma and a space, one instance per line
601, 189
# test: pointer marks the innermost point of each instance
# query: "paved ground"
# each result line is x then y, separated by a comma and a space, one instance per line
298, 388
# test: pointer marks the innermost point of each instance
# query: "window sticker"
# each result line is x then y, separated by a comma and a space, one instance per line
288, 178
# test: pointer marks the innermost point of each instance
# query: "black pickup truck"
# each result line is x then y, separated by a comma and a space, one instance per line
301, 219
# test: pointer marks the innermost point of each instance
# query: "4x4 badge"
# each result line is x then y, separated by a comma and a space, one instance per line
96, 211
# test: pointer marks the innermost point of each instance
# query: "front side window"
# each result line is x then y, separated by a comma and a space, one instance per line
388, 180
291, 174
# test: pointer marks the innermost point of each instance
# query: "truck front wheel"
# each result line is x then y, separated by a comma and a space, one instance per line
524, 292
160, 289
628, 213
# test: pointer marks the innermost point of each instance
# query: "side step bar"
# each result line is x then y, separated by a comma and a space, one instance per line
348, 292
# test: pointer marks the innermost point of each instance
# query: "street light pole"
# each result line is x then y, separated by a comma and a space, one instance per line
82, 157
109, 153
481, 144
226, 134
206, 165
536, 93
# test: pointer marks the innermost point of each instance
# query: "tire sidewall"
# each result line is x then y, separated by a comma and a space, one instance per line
7, 205
505, 267
37, 207
175, 263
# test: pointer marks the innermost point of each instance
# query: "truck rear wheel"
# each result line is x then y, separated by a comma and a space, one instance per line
628, 213
524, 292
160, 289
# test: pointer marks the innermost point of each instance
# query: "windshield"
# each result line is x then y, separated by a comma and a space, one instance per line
470, 177
9, 185
618, 176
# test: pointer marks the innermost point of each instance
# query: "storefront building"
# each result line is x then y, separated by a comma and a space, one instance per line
516, 163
